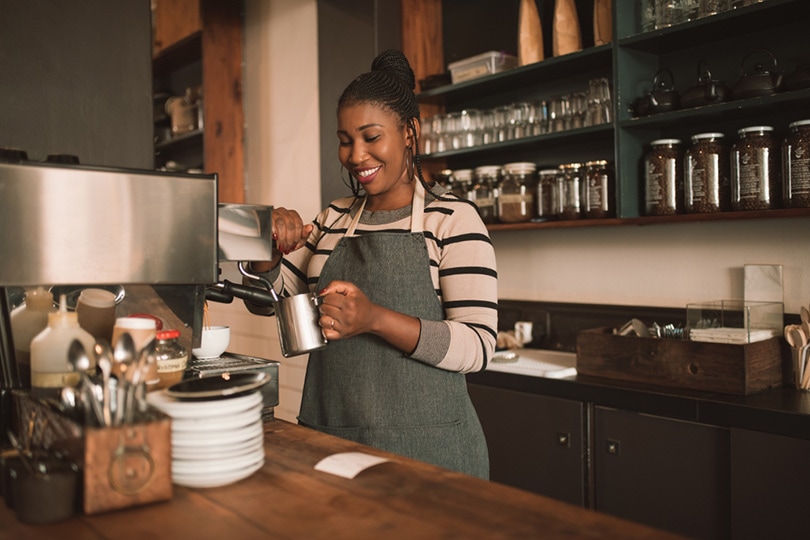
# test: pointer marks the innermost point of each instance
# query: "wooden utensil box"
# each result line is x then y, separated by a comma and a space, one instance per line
121, 466
711, 367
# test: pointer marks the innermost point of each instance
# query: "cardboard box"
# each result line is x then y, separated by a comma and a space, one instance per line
711, 367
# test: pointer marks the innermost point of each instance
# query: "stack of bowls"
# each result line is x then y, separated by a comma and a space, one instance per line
215, 441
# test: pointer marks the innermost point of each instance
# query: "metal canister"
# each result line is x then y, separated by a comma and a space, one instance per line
599, 190
754, 170
663, 178
796, 166
706, 175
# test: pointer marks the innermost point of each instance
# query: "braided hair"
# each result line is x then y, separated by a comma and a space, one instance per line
389, 84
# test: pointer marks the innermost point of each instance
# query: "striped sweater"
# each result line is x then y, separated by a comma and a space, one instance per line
462, 267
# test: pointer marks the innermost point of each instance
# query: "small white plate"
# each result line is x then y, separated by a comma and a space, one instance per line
242, 434
218, 452
218, 479
218, 422
218, 386
202, 409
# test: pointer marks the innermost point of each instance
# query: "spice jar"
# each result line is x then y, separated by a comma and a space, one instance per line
754, 174
486, 180
599, 188
571, 191
796, 166
171, 358
706, 183
663, 178
516, 194
548, 206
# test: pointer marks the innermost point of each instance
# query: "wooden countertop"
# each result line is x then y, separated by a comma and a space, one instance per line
289, 499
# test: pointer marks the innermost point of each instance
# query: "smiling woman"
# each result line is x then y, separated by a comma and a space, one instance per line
407, 275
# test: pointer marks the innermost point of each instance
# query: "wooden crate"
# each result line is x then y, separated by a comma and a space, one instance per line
711, 367
121, 466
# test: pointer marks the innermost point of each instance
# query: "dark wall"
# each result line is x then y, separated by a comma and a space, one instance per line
350, 34
76, 78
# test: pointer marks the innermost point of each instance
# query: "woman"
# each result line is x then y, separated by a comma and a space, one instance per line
409, 285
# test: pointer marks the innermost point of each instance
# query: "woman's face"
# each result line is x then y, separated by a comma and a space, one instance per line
373, 148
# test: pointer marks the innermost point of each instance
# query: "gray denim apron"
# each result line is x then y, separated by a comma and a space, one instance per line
364, 389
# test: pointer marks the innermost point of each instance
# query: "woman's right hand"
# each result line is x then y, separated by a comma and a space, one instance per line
289, 234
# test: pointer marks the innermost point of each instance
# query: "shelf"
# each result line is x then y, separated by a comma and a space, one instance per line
654, 220
570, 136
590, 59
740, 22
182, 53
743, 108
181, 142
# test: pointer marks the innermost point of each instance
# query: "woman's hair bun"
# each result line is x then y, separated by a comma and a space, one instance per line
394, 61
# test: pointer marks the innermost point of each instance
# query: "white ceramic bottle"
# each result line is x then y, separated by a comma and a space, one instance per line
28, 320
50, 369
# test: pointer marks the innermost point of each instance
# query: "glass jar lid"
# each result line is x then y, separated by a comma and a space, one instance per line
665, 142
520, 167
703, 136
799, 123
488, 170
596, 163
463, 175
754, 129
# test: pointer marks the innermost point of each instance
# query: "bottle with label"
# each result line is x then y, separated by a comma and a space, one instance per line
796, 166
663, 178
171, 358
28, 320
706, 175
50, 369
599, 190
484, 193
571, 191
755, 182
548, 206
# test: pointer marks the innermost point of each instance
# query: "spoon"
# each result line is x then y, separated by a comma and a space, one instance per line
123, 354
80, 361
104, 363
24, 457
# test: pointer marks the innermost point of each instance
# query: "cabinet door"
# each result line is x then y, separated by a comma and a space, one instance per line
769, 479
535, 442
670, 474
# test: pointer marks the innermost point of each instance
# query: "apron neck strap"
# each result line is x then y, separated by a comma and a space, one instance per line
417, 211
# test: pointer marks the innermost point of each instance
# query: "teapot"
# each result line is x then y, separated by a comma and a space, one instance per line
757, 80
706, 91
662, 98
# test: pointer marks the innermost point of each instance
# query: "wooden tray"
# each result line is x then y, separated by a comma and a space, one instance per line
711, 367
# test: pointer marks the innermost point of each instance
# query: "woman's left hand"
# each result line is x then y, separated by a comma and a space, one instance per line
346, 311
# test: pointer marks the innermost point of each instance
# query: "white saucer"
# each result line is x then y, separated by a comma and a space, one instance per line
218, 422
202, 408
216, 480
205, 467
217, 438
217, 452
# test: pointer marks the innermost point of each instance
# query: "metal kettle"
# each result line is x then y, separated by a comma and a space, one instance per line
662, 98
757, 79
706, 91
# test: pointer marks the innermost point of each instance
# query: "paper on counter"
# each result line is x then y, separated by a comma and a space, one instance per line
348, 464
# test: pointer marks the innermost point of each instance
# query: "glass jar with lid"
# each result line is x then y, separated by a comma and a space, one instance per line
516, 194
599, 190
548, 205
796, 166
663, 178
754, 170
571, 194
706, 183
484, 192
171, 357
461, 182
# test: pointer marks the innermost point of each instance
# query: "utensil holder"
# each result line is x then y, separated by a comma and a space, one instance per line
120, 466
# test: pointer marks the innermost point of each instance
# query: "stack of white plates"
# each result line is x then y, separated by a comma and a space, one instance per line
215, 441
